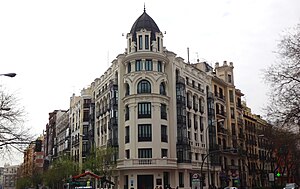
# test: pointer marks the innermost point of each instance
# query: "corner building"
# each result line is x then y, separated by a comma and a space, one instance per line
155, 109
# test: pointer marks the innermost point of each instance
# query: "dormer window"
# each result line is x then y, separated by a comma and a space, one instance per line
140, 42
147, 42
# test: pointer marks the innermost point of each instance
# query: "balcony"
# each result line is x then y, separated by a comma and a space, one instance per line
112, 123
180, 79
142, 163
180, 99
221, 113
86, 105
181, 119
182, 140
222, 130
239, 107
144, 138
112, 142
240, 121
113, 102
220, 96
233, 167
241, 136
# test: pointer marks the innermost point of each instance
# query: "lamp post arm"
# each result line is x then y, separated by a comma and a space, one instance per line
213, 152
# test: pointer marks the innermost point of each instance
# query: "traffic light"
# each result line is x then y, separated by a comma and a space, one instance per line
278, 174
38, 146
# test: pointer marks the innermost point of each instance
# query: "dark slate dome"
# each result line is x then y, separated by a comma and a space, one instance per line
144, 22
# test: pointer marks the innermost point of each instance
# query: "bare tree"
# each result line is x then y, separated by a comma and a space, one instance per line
13, 135
284, 79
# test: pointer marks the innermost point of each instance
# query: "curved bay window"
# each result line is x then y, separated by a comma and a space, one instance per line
162, 88
144, 86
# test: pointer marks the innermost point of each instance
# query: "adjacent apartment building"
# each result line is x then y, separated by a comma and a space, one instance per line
9, 176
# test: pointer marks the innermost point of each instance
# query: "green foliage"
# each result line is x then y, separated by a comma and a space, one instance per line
101, 161
60, 170
23, 183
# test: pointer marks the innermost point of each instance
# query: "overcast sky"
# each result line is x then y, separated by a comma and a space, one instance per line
58, 47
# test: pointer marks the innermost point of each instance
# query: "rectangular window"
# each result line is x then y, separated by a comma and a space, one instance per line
231, 96
181, 180
140, 42
86, 115
216, 90
229, 78
221, 93
159, 66
127, 154
138, 65
145, 153
163, 111
146, 41
144, 110
148, 65
164, 153
128, 67
232, 113
164, 133
144, 132
126, 113
127, 134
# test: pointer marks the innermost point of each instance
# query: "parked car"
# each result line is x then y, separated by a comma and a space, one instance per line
230, 187
291, 186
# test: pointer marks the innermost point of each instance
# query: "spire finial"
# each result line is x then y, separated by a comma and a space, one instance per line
144, 7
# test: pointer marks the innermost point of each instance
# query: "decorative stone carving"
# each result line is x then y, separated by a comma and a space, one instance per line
154, 46
132, 46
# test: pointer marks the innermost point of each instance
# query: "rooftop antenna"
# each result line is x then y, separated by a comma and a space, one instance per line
188, 54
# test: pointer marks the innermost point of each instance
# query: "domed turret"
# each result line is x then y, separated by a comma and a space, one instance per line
144, 35
144, 22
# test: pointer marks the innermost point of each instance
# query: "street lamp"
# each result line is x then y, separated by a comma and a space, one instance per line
9, 74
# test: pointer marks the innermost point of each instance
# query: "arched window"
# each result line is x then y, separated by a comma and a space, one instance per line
162, 88
144, 86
